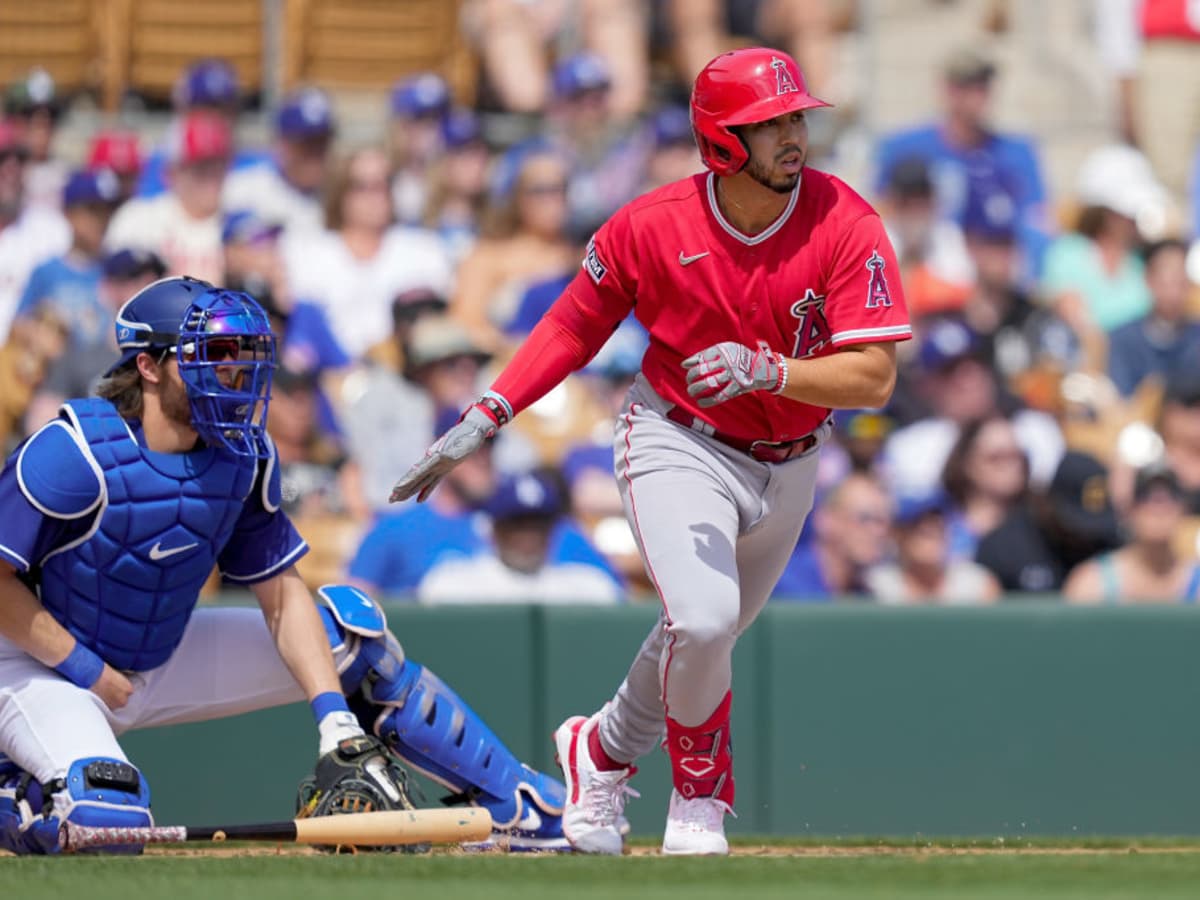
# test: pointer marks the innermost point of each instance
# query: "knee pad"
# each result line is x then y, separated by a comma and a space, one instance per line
432, 729
97, 792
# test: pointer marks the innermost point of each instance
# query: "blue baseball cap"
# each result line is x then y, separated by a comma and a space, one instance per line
207, 82
990, 212
306, 113
580, 73
943, 341
426, 94
245, 226
671, 125
133, 262
99, 187
460, 127
914, 507
528, 495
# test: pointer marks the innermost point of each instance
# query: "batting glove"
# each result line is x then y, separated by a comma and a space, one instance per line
729, 369
480, 422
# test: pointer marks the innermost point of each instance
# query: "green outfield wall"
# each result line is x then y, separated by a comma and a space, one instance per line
1025, 719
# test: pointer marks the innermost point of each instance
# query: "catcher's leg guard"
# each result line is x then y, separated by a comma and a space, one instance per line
432, 729
96, 792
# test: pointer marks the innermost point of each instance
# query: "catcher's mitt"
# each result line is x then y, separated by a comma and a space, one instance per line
359, 775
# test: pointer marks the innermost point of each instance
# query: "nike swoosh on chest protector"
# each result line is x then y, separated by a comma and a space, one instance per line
157, 552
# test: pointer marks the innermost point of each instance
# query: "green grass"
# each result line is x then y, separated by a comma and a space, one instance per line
921, 872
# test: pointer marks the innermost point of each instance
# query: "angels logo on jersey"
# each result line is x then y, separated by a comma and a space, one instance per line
812, 332
784, 83
877, 291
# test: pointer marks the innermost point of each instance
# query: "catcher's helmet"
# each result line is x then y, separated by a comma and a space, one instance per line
209, 329
738, 88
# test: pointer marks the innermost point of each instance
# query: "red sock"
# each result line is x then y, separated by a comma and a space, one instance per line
600, 759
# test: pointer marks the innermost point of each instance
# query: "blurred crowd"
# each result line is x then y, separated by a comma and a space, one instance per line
1044, 437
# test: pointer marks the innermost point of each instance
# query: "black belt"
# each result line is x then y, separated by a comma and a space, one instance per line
763, 451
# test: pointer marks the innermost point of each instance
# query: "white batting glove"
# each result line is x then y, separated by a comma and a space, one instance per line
729, 369
476, 425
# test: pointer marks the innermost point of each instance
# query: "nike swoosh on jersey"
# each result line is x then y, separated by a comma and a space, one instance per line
688, 260
157, 552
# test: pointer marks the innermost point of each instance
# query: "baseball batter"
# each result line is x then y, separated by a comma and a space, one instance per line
772, 296
113, 515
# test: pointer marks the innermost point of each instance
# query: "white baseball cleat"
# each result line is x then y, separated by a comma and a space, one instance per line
592, 817
695, 827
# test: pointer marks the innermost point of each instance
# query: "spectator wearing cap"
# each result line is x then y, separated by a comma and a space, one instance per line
673, 154
120, 152
75, 373
1149, 567
33, 104
209, 85
361, 260
67, 286
183, 225
954, 380
1095, 279
1167, 339
287, 188
1058, 527
962, 148
418, 107
517, 566
458, 184
925, 570
29, 235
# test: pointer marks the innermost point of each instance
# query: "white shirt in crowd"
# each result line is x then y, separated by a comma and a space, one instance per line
357, 294
264, 190
38, 234
188, 246
485, 579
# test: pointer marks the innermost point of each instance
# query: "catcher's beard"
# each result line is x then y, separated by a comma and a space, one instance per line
174, 399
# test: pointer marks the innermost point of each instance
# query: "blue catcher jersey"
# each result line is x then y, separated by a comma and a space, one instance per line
127, 579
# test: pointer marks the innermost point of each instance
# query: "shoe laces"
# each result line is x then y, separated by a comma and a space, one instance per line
606, 795
701, 814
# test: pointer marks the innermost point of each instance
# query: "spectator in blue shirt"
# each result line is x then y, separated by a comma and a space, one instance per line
67, 286
1166, 340
962, 149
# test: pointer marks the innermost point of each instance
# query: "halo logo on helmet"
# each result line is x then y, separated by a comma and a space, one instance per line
225, 350
739, 88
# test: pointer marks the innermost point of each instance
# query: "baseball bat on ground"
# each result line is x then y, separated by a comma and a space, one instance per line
366, 829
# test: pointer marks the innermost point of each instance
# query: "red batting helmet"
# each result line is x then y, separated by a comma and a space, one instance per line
738, 88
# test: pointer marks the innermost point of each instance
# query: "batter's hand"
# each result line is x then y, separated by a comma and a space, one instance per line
475, 427
729, 369
113, 687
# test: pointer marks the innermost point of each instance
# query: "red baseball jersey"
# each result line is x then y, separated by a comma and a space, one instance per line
822, 276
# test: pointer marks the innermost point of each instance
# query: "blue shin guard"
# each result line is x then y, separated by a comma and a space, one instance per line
434, 731
96, 792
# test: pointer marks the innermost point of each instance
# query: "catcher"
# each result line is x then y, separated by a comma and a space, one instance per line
113, 515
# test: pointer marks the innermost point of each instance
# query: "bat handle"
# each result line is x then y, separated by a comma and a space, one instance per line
73, 837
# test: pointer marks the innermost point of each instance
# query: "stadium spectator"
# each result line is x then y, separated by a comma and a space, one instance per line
850, 535
1041, 540
33, 104
962, 149
1167, 338
925, 570
953, 378
287, 187
76, 373
356, 266
1094, 278
183, 224
516, 566
1179, 426
458, 184
120, 152
1148, 568
28, 236
207, 85
523, 241
985, 478
419, 106
673, 155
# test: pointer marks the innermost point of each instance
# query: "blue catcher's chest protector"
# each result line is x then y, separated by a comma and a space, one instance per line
128, 587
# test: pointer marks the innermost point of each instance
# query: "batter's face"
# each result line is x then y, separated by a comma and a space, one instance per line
778, 150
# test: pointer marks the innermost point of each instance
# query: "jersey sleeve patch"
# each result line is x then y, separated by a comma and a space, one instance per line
592, 264
58, 474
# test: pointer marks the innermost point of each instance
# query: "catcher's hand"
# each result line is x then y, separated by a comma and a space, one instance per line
358, 775
476, 426
729, 369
